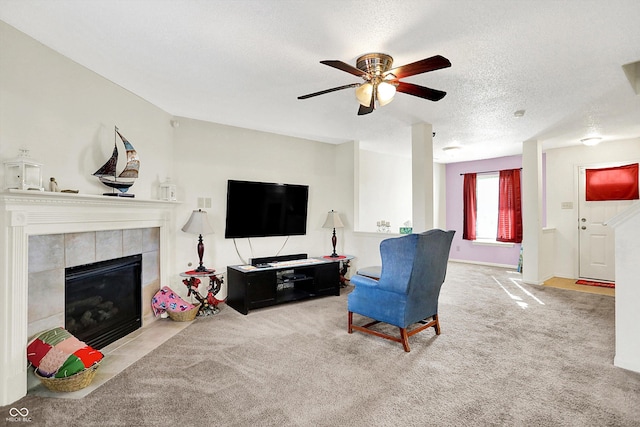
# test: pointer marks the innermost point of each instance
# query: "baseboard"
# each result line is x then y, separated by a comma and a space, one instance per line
629, 365
488, 264
538, 283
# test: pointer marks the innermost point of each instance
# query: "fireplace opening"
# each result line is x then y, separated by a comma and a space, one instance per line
103, 300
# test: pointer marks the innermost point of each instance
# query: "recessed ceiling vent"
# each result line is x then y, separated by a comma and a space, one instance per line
632, 71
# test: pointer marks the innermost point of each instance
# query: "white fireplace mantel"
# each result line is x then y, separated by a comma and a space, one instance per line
27, 213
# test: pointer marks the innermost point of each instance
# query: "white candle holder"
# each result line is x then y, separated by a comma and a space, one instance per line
23, 173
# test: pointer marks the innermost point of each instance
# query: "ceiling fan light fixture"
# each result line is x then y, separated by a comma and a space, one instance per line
363, 94
381, 81
386, 92
374, 64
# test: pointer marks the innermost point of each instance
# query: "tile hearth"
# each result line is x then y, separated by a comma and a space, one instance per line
117, 357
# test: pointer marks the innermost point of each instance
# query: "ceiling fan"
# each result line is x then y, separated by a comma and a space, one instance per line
381, 81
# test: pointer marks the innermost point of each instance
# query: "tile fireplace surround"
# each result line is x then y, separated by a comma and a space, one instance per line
34, 216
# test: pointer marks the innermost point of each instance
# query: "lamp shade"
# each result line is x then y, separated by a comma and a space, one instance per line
364, 93
333, 220
386, 92
198, 223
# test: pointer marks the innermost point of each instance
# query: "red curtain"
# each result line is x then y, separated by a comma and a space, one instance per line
509, 207
619, 183
470, 203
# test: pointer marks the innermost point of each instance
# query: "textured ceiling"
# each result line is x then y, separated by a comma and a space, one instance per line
244, 63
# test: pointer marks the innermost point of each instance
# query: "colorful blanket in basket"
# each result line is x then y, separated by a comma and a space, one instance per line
57, 353
166, 299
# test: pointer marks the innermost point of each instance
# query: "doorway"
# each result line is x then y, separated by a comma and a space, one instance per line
596, 239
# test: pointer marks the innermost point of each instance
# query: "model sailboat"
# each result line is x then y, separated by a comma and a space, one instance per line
108, 175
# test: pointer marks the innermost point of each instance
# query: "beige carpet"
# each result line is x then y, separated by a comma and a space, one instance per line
563, 283
510, 354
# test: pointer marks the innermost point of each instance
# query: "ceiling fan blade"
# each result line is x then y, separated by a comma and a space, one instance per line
366, 110
345, 67
420, 91
429, 64
322, 92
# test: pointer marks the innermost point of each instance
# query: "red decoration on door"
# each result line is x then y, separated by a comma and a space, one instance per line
617, 183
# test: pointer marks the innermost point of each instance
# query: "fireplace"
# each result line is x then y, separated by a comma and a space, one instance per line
43, 233
103, 300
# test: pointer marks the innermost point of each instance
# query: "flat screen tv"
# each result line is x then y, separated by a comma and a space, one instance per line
262, 209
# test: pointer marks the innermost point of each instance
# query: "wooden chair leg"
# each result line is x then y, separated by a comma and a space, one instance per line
404, 333
437, 325
405, 339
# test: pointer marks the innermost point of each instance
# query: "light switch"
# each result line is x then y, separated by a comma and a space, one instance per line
204, 202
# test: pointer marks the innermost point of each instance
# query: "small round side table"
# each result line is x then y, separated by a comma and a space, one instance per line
208, 304
345, 263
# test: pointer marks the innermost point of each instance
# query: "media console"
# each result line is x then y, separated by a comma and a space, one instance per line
278, 280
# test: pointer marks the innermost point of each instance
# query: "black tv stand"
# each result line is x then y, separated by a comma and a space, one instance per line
254, 286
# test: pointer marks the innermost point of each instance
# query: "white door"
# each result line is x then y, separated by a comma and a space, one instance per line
597, 241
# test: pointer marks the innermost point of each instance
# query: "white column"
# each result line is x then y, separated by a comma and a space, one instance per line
627, 228
532, 212
439, 196
422, 177
356, 185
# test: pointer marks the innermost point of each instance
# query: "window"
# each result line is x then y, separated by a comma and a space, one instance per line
492, 206
487, 206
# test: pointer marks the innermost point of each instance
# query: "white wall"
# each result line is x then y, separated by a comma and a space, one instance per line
386, 193
65, 115
208, 154
388, 169
562, 186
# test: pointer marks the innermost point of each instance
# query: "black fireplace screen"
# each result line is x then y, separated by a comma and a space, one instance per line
103, 300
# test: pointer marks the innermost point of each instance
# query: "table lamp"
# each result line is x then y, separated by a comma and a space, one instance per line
198, 224
333, 221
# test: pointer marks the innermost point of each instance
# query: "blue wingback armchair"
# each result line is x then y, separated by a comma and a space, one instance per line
413, 270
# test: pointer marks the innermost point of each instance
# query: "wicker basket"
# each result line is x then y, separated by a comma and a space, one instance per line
72, 383
184, 316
